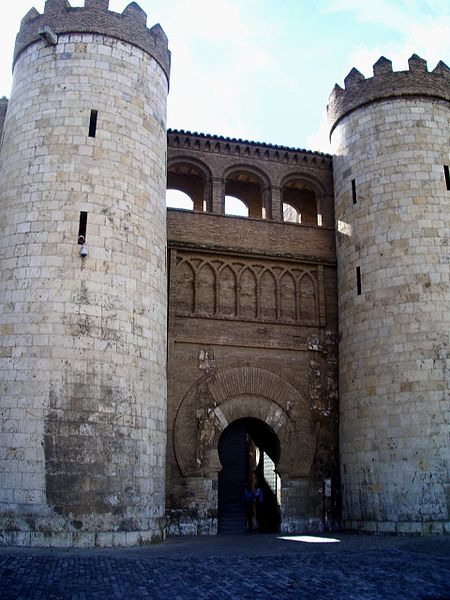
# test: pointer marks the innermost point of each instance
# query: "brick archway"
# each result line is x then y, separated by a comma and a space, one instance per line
235, 393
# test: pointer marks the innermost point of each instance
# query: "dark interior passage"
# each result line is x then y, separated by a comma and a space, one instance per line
248, 452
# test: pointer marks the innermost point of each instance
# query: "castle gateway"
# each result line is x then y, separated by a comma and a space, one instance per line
252, 336
154, 364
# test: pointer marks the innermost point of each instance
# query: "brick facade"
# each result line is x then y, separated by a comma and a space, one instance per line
252, 326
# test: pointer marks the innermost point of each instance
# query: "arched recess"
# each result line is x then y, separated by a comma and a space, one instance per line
227, 291
269, 301
205, 292
302, 199
185, 288
308, 309
193, 178
247, 305
251, 187
217, 400
288, 296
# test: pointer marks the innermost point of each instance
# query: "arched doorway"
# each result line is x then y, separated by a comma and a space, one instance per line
248, 451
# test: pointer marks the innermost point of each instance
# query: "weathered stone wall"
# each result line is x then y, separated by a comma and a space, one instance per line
252, 333
83, 340
394, 336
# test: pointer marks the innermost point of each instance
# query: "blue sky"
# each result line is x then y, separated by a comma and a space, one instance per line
262, 70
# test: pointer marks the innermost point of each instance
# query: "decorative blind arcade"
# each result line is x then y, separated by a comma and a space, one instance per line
214, 288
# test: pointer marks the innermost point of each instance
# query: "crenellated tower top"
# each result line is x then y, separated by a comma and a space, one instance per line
386, 83
95, 17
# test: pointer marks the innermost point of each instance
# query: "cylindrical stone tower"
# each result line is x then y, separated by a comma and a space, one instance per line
83, 338
390, 136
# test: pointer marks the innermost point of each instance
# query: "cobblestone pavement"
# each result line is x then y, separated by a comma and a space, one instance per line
256, 567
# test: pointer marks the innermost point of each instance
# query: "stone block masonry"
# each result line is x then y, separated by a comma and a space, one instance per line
82, 354
394, 347
93, 450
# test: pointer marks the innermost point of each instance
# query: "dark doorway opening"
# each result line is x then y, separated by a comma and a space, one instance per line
249, 451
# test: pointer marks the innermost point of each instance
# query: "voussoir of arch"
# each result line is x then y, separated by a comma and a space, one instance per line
180, 160
217, 400
311, 183
239, 167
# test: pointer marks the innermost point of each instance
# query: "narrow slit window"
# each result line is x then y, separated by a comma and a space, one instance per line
354, 191
82, 228
358, 281
447, 176
93, 123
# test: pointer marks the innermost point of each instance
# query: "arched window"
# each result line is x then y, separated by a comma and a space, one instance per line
177, 199
248, 187
300, 203
191, 179
235, 206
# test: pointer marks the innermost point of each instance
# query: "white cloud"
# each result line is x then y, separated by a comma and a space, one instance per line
262, 70
217, 53
416, 28
320, 140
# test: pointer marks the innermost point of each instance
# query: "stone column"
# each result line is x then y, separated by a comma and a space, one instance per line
277, 207
218, 197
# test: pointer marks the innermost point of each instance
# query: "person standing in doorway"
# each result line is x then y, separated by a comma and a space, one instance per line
249, 499
259, 499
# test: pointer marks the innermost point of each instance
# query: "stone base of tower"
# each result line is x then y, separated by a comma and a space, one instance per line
398, 527
85, 539
43, 527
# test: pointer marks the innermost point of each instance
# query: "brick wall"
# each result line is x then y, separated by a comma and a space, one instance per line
252, 333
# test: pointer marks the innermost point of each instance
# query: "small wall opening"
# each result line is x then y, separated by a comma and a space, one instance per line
358, 281
82, 227
447, 177
93, 123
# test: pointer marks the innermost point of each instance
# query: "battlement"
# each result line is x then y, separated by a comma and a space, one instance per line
179, 138
95, 17
386, 83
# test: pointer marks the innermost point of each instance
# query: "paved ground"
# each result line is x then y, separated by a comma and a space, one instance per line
256, 567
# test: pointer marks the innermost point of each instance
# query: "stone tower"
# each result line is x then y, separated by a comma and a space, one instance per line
83, 337
390, 136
